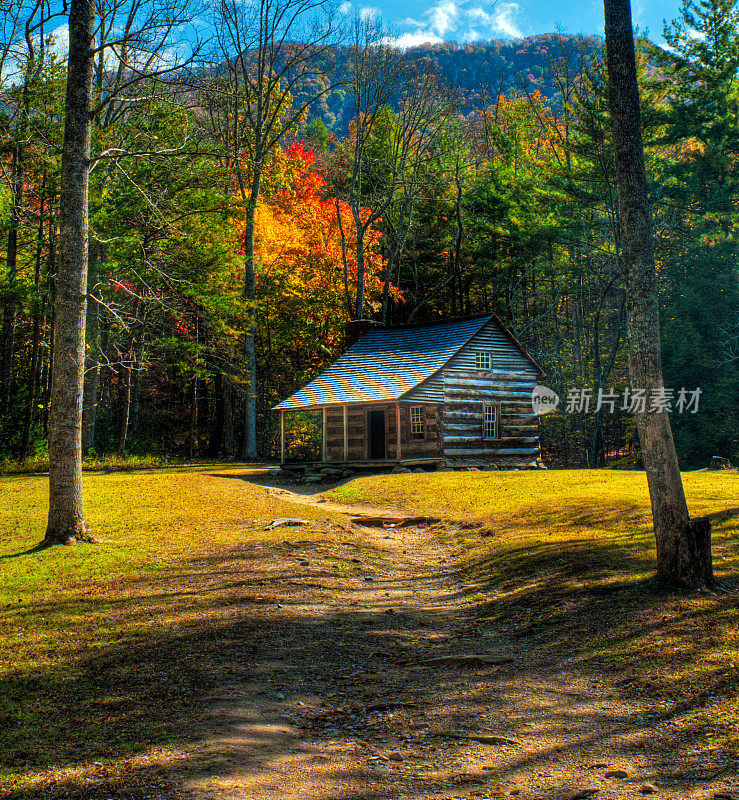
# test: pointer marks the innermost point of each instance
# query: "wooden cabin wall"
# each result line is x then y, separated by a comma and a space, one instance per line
509, 384
358, 429
428, 447
357, 433
491, 339
465, 393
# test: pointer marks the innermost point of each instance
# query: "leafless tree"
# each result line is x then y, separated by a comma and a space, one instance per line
683, 545
386, 152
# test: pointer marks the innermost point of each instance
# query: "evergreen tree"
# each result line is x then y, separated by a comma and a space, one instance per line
700, 183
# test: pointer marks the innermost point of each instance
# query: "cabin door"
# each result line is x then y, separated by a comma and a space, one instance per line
377, 434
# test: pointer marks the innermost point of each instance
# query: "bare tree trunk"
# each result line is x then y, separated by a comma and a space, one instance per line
125, 406
36, 337
133, 424
191, 449
216, 430
228, 419
92, 365
249, 447
67, 522
359, 306
683, 548
7, 339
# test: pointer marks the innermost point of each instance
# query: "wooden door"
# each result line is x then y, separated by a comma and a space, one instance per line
377, 433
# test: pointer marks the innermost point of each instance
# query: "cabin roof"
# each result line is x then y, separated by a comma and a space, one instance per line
387, 363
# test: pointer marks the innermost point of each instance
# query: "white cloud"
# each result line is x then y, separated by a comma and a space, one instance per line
369, 12
458, 20
443, 18
345, 8
504, 20
414, 39
18, 52
694, 34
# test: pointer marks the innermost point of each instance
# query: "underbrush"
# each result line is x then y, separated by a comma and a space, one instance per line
33, 466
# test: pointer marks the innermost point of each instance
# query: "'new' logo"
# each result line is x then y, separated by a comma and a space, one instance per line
543, 400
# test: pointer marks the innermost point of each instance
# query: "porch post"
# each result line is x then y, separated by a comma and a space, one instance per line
282, 436
324, 455
346, 433
397, 430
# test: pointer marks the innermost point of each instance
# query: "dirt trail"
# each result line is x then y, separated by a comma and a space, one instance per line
336, 701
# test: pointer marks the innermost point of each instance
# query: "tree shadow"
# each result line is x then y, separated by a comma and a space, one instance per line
37, 548
237, 666
266, 480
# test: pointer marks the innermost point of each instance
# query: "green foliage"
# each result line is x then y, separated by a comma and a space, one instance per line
697, 165
511, 209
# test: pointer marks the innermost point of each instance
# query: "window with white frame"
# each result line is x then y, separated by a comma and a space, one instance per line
484, 360
490, 421
417, 423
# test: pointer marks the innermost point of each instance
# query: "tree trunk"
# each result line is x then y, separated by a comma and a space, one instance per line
133, 424
36, 337
683, 548
7, 339
191, 449
92, 362
228, 420
125, 405
67, 522
216, 432
249, 446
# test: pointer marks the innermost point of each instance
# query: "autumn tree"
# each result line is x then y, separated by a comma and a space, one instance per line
271, 64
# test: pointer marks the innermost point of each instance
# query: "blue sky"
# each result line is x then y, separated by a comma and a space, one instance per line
416, 21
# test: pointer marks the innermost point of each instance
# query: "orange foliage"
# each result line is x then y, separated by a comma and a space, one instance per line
300, 269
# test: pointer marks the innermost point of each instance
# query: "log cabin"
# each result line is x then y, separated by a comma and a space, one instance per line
453, 393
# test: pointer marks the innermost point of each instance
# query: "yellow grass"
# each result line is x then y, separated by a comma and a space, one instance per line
105, 648
566, 559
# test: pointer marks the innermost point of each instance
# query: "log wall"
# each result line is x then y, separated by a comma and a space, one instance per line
508, 384
465, 393
358, 432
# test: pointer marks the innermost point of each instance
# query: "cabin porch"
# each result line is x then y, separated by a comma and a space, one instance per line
374, 435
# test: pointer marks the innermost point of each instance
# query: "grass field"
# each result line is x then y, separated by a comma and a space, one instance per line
566, 559
105, 649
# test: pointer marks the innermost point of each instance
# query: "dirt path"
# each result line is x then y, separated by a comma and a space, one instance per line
337, 699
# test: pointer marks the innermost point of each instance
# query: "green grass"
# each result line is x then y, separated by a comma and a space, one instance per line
40, 464
106, 650
566, 559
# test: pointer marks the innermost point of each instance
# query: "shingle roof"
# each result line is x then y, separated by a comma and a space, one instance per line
386, 364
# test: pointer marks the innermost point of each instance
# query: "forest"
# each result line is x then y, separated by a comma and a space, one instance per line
254, 190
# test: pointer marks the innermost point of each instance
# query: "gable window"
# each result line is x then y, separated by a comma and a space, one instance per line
490, 421
484, 360
418, 430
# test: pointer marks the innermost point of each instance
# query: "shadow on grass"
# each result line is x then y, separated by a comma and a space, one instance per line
245, 618
264, 479
599, 602
37, 548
